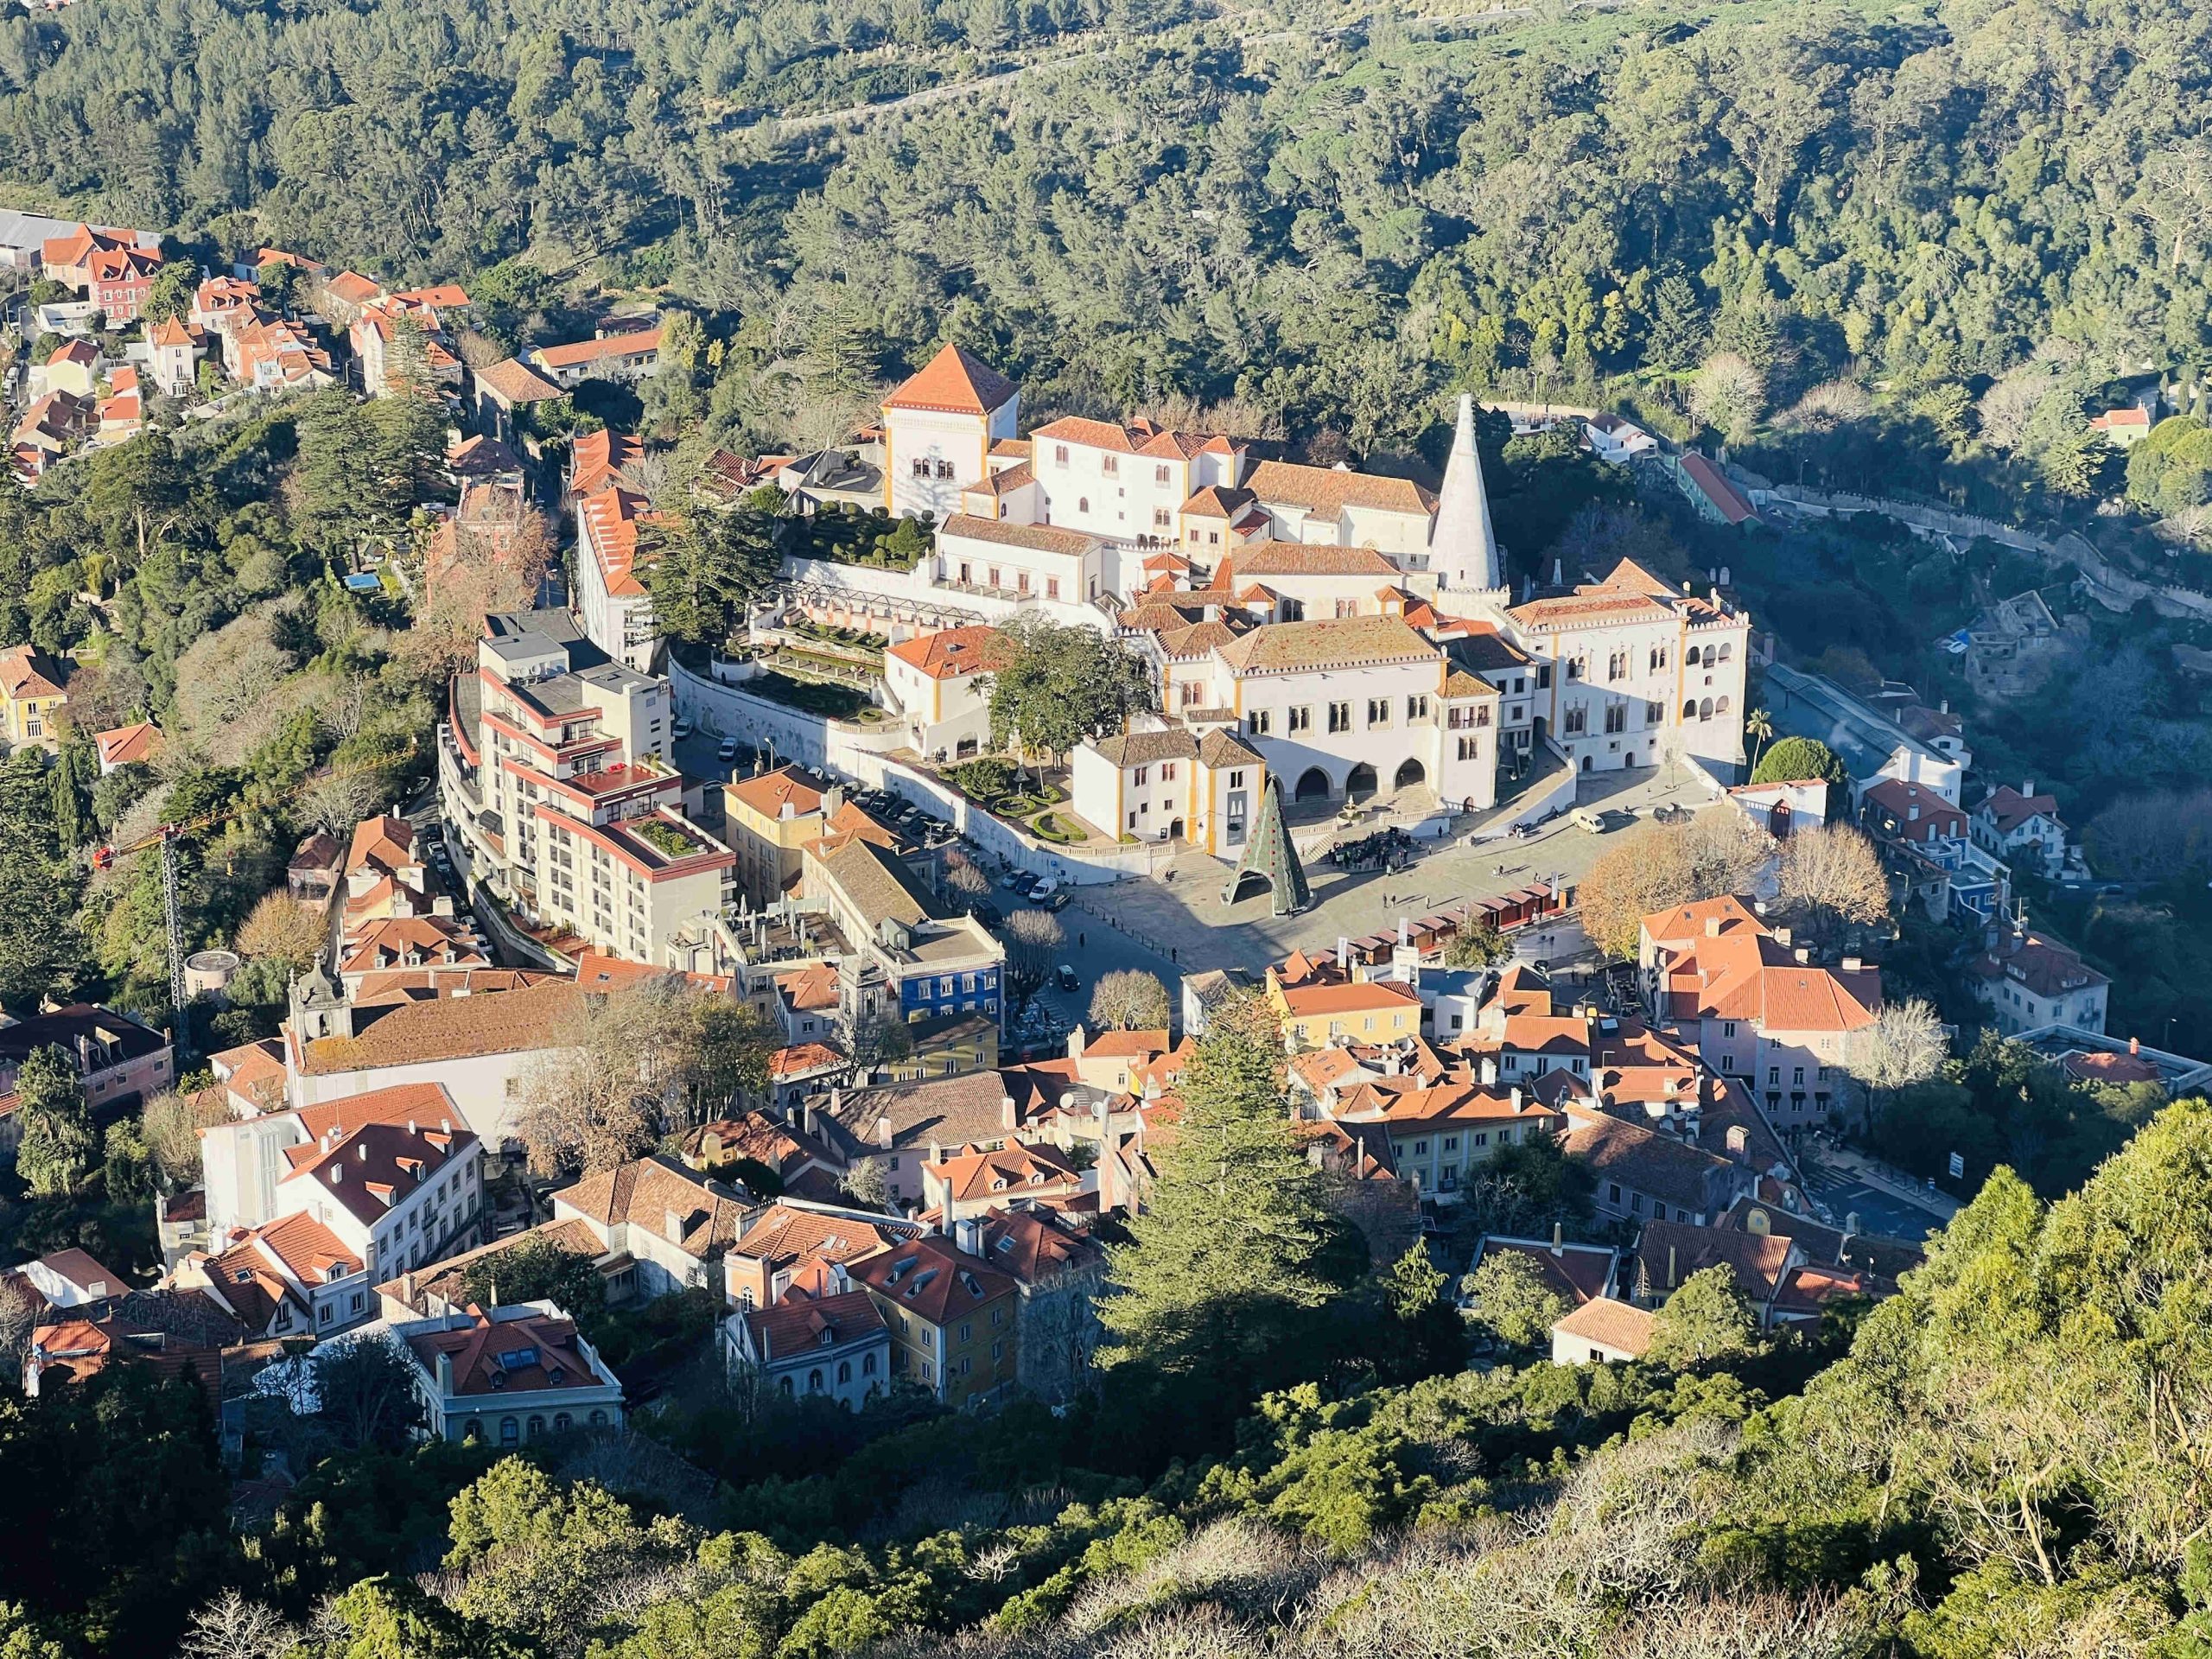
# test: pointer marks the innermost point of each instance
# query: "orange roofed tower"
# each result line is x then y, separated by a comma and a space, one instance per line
939, 427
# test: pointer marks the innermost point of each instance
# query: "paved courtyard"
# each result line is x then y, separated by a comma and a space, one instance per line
1178, 912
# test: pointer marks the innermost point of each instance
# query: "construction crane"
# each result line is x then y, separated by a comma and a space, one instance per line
165, 836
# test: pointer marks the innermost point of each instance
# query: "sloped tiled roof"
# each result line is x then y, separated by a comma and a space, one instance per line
644, 1191
955, 381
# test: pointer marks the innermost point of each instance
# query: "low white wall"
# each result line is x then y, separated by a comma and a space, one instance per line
864, 757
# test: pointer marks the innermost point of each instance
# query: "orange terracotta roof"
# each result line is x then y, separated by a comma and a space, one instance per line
955, 381
948, 653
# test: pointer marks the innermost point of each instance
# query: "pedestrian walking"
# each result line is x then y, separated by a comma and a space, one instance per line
1079, 941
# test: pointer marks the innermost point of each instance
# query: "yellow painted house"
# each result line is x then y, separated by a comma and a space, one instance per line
30, 696
769, 820
1361, 1011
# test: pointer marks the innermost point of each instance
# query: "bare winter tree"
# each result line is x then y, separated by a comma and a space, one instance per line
172, 1123
1904, 1045
1129, 999
1833, 877
1033, 938
1657, 865
336, 801
964, 879
491, 556
231, 1627
630, 1067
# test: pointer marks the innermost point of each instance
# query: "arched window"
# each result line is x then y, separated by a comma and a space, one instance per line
510, 1431
1689, 709
867, 1365
536, 1428
813, 1382
1711, 656
1705, 709
599, 1419
1720, 706
562, 1422
474, 1431
1726, 652
1083, 504
844, 1370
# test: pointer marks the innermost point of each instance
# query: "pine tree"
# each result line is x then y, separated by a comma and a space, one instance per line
1225, 1263
56, 1153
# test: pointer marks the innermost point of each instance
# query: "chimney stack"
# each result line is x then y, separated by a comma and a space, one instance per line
671, 1226
1739, 1143
1670, 1267
1009, 1120
2135, 1045
1489, 1071
1517, 1097
1781, 936
1344, 954
1559, 1238
1712, 927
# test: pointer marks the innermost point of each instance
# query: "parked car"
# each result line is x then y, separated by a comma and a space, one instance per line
1041, 889
1584, 818
1056, 900
1015, 882
988, 913
681, 730
1063, 977
728, 751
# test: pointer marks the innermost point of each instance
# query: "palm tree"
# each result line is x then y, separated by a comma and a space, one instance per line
1758, 726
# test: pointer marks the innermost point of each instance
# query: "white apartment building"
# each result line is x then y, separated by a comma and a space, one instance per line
312, 1206
616, 608
554, 773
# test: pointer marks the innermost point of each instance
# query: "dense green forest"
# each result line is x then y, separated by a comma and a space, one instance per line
1922, 240
193, 577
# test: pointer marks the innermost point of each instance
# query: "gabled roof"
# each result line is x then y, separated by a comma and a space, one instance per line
369, 1169
796, 1324
1304, 1001
956, 382
645, 1191
128, 745
452, 1029
1620, 1326
26, 671
928, 1279
1010, 1170
1328, 490
1336, 642
1034, 1246
515, 382
948, 653
578, 352
769, 792
533, 1354
2008, 809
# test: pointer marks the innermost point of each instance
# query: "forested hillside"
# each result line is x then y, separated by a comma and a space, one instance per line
1328, 224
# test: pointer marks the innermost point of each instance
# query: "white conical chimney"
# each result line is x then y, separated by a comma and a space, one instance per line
1463, 547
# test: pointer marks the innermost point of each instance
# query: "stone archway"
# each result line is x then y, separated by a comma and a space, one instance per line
1411, 771
1359, 783
1313, 785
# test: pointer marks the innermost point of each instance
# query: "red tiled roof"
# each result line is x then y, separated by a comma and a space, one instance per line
487, 1349
931, 1280
592, 351
796, 1324
948, 653
955, 381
